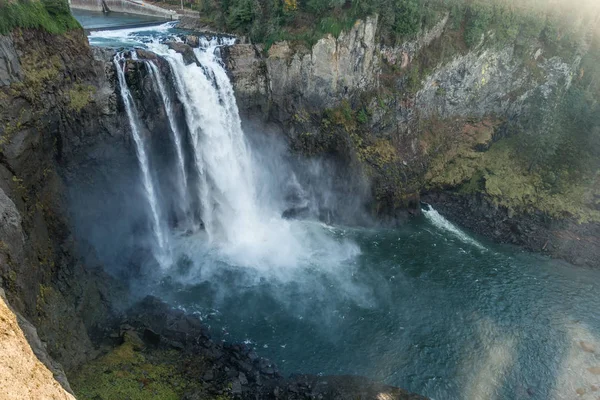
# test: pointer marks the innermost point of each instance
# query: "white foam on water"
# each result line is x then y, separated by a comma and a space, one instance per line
442, 223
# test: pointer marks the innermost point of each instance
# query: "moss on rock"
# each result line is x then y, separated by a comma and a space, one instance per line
126, 372
80, 96
500, 173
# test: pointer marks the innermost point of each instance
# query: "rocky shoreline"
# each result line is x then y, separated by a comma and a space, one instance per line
578, 244
157, 349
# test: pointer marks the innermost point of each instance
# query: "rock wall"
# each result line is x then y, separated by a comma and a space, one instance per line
49, 112
292, 78
484, 81
385, 111
10, 68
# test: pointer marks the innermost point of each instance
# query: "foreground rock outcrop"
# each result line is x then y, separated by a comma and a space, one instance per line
22, 374
165, 353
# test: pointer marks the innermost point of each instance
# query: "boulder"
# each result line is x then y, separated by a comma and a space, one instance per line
185, 50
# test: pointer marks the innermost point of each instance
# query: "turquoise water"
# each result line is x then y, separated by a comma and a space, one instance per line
425, 307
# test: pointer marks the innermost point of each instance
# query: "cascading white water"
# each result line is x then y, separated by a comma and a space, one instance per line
182, 179
244, 227
161, 252
442, 223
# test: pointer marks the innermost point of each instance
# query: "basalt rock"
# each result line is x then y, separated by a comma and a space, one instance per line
46, 120
577, 243
207, 368
185, 50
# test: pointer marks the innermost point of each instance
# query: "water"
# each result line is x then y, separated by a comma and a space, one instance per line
99, 20
182, 179
140, 147
427, 307
421, 307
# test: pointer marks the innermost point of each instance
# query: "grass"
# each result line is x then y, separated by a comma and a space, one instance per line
80, 96
52, 16
126, 373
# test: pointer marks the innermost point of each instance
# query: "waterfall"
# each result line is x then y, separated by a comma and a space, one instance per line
182, 179
222, 158
442, 223
240, 203
237, 222
161, 253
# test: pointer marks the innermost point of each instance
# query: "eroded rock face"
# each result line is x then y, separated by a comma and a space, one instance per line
249, 74
61, 106
315, 78
481, 82
11, 231
10, 67
185, 50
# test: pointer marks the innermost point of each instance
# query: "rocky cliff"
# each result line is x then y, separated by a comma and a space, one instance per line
413, 117
52, 100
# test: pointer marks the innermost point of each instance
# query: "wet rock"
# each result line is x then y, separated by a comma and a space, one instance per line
296, 213
244, 366
580, 391
252, 356
208, 375
243, 379
236, 387
192, 40
594, 388
185, 50
232, 373
594, 370
145, 54
587, 347
151, 337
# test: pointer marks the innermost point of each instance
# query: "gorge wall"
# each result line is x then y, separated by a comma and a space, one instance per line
55, 99
421, 118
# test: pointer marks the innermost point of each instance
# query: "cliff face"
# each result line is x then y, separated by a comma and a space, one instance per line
411, 118
292, 79
53, 100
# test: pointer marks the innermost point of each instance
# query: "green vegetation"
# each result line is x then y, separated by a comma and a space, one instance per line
80, 96
126, 373
53, 16
266, 21
504, 173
